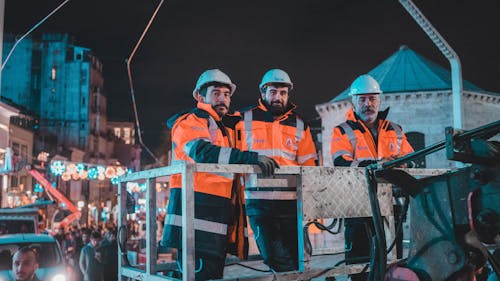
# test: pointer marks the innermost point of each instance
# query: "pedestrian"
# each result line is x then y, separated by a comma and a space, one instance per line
366, 137
60, 236
90, 259
109, 258
25, 264
206, 135
273, 128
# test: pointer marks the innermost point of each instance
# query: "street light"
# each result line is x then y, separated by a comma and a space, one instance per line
448, 52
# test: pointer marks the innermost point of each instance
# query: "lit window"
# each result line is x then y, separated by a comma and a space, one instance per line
117, 132
53, 73
126, 135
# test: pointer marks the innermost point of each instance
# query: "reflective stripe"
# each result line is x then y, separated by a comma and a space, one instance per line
271, 195
247, 118
224, 155
366, 158
276, 152
189, 145
212, 129
199, 224
340, 153
399, 133
299, 129
350, 134
304, 158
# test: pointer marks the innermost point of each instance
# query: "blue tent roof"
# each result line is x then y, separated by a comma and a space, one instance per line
407, 71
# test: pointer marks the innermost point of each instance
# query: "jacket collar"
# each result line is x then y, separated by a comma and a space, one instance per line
208, 108
351, 115
264, 107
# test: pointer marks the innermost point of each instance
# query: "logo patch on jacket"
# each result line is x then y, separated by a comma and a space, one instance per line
392, 147
288, 142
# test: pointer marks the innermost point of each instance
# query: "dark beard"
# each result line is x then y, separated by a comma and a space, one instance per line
276, 111
220, 113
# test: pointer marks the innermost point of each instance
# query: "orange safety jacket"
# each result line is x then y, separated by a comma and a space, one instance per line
287, 140
200, 136
354, 145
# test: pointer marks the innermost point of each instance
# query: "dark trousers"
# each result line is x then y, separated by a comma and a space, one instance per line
357, 243
206, 266
276, 238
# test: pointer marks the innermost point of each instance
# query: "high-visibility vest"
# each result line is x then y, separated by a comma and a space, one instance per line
287, 140
192, 132
352, 142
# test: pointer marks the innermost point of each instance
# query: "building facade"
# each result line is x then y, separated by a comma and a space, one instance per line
62, 84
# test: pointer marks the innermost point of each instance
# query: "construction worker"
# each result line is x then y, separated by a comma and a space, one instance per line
274, 129
204, 136
365, 138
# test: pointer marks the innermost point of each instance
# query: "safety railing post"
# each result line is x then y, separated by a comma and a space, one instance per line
188, 263
303, 256
122, 222
151, 247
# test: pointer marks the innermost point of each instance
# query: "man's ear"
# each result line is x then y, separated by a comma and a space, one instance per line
199, 98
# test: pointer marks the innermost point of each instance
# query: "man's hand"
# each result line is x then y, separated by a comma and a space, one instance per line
393, 157
267, 165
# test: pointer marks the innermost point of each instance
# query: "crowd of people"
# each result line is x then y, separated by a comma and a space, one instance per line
88, 251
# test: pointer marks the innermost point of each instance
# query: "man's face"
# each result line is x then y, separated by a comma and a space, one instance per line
367, 107
219, 98
85, 238
94, 241
24, 265
276, 98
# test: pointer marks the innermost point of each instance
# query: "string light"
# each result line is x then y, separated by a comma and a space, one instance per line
81, 171
110, 172
38, 188
93, 173
80, 167
57, 168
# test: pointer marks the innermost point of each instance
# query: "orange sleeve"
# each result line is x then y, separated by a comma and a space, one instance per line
340, 146
405, 146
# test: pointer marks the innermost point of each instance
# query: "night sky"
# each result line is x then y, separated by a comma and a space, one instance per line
322, 44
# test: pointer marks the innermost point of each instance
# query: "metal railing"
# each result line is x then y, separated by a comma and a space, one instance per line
322, 192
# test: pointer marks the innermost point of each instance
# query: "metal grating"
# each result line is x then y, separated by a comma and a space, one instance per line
340, 192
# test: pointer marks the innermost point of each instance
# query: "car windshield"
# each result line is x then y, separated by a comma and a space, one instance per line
19, 226
48, 254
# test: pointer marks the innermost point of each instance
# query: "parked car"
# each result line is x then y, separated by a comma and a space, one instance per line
50, 258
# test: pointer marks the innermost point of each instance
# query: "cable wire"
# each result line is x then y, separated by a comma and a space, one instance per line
322, 227
399, 227
131, 83
31, 30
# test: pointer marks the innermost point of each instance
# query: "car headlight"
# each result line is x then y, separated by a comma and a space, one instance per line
59, 277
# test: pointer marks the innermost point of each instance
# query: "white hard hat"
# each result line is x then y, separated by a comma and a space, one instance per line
276, 76
364, 85
213, 75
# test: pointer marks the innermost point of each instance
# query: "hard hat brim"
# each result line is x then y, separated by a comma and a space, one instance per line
231, 86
